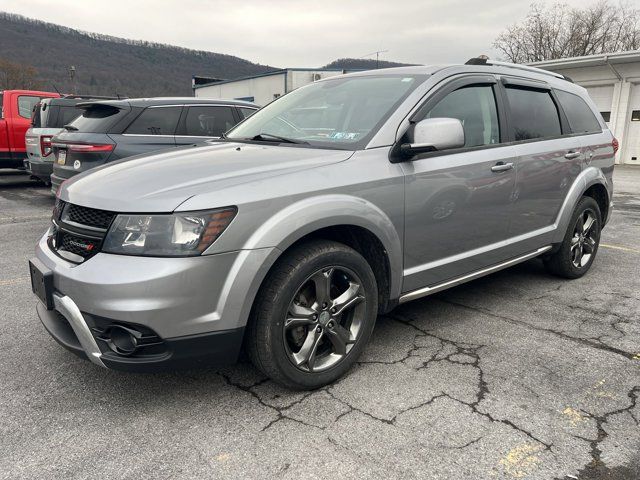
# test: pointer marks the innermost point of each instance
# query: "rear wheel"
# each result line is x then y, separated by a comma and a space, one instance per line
580, 245
313, 315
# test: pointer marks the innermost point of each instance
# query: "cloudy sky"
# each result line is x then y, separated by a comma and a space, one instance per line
296, 33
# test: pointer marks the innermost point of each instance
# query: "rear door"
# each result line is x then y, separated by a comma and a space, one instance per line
548, 158
457, 201
154, 129
203, 122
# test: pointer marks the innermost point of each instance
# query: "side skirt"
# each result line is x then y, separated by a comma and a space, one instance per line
425, 291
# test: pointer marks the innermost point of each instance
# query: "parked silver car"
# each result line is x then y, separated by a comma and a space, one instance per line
294, 232
49, 117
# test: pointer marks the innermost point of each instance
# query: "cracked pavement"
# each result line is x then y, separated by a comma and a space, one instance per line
516, 375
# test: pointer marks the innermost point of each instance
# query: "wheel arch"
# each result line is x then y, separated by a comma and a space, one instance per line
353, 221
590, 182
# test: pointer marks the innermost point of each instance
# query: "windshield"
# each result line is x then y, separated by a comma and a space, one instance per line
339, 113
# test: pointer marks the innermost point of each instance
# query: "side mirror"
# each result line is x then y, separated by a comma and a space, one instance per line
434, 134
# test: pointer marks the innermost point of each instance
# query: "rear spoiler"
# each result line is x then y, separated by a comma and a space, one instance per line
119, 104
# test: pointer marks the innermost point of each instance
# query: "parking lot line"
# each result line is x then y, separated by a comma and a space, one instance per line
620, 247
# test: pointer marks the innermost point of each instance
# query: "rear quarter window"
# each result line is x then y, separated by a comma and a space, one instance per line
98, 118
581, 118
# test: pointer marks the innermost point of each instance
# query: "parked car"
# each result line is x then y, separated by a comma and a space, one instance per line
15, 119
115, 129
48, 119
291, 241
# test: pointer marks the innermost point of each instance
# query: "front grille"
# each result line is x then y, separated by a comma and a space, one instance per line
78, 231
88, 216
84, 247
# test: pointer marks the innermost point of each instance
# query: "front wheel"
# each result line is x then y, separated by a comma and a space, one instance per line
580, 245
313, 315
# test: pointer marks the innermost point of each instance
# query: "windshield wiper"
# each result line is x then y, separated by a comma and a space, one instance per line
71, 128
267, 136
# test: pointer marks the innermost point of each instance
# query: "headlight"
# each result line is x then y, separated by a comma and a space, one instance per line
173, 235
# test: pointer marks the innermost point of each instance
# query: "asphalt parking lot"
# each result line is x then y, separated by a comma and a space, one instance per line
516, 375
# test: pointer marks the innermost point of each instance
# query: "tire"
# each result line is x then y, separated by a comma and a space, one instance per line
286, 342
563, 262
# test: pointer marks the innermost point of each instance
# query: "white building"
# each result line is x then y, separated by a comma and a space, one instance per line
613, 82
264, 88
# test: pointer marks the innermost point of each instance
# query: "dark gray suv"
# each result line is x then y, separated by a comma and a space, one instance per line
111, 130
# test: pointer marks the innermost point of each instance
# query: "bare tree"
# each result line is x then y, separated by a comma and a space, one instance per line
17, 76
558, 31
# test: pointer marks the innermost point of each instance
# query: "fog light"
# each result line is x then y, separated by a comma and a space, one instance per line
122, 340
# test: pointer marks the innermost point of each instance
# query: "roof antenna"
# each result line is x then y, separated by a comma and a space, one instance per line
56, 89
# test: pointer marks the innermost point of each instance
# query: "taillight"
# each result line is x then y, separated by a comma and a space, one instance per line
45, 145
615, 144
85, 148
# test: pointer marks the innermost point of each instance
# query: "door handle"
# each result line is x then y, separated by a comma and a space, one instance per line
502, 167
572, 155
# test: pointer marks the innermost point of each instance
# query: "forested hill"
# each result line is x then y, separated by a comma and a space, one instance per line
106, 65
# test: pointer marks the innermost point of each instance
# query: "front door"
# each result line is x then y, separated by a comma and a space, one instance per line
457, 203
204, 122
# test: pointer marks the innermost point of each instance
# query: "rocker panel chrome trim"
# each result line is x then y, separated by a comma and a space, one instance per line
423, 292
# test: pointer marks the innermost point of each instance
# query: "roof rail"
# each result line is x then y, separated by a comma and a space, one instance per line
484, 61
94, 97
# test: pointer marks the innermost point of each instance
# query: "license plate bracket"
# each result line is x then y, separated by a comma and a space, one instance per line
41, 282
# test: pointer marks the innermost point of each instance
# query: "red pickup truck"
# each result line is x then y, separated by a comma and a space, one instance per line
15, 119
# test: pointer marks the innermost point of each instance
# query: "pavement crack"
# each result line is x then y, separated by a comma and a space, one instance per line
593, 343
596, 451
280, 411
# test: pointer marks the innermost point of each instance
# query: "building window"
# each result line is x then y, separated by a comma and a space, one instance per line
606, 116
635, 116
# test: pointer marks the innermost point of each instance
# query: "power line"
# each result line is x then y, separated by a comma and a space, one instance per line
377, 54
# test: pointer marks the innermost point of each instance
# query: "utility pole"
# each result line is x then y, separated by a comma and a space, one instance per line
377, 54
72, 77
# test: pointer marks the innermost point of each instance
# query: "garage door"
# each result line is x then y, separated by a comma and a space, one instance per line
603, 98
632, 150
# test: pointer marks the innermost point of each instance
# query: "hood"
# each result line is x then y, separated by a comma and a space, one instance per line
161, 182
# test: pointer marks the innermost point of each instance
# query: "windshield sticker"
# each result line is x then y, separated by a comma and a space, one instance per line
344, 135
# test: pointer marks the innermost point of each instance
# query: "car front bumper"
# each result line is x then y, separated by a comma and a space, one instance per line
188, 311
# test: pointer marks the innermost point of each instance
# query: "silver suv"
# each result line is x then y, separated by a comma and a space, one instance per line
329, 206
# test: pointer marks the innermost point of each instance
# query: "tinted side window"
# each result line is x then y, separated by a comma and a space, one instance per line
581, 118
26, 104
208, 121
475, 107
156, 121
247, 112
66, 115
533, 114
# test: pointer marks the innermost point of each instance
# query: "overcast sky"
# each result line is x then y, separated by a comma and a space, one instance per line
296, 33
